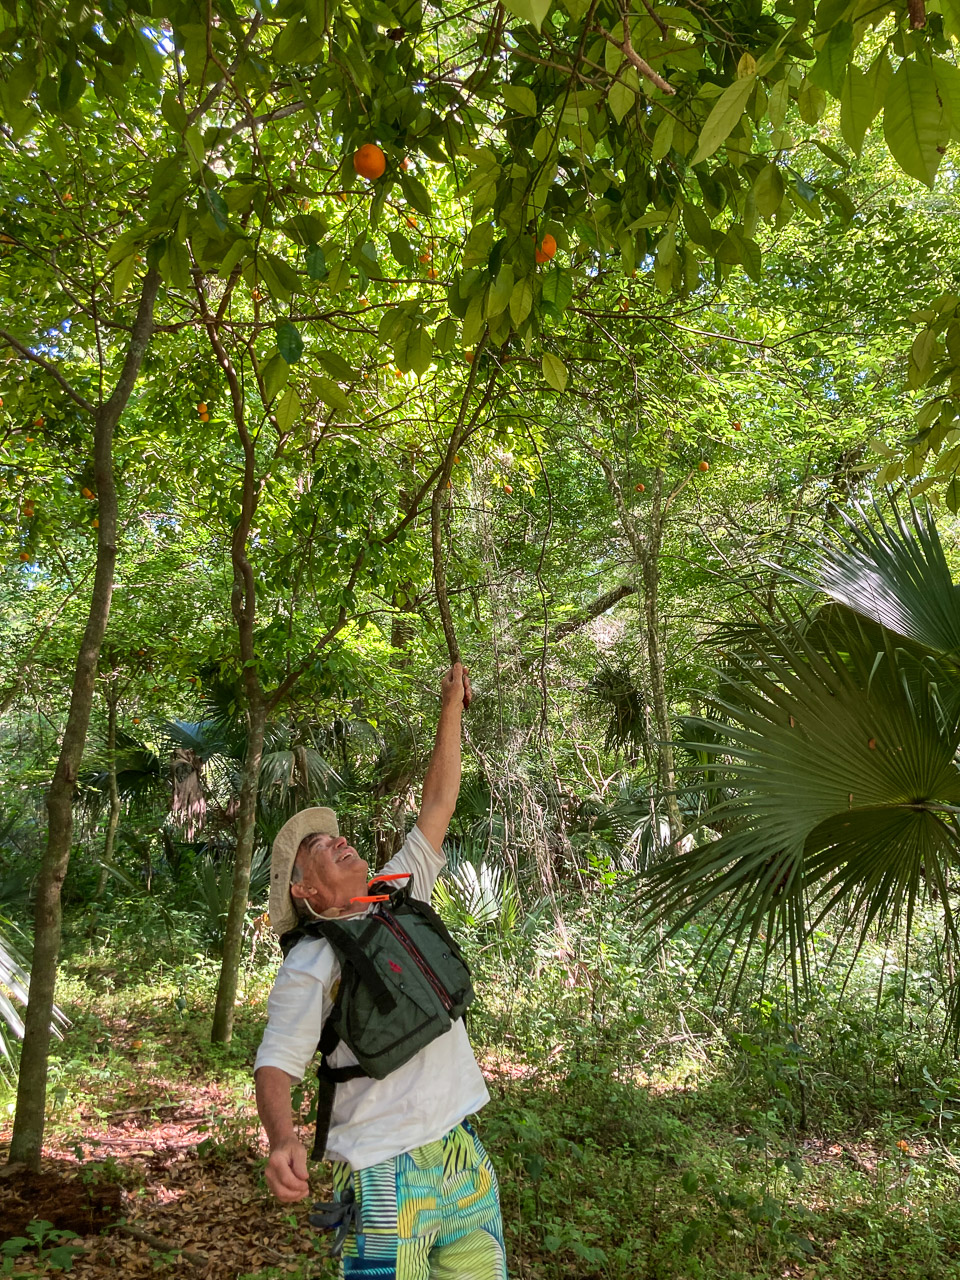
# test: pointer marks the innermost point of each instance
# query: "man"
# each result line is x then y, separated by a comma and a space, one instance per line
401, 1148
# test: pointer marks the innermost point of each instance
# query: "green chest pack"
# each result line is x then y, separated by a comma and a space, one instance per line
403, 983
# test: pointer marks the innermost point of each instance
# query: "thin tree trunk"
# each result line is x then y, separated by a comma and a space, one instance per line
646, 551
246, 832
650, 567
112, 822
243, 604
27, 1140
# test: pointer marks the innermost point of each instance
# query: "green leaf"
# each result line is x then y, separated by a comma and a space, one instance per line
811, 102
446, 334
335, 364
402, 249
288, 410
726, 113
768, 190
555, 372
274, 376
419, 351
123, 275
521, 99
948, 85
316, 263
521, 301
498, 298
473, 320
662, 139
196, 154
622, 98
532, 11
289, 341
338, 277
218, 208
72, 83
697, 224
778, 101
416, 193
915, 124
856, 108
175, 265
329, 392
921, 358
829, 69
557, 288
476, 249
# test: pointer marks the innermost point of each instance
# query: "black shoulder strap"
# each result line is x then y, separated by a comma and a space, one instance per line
351, 949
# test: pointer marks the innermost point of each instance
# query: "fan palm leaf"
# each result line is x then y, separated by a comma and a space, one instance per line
895, 572
836, 755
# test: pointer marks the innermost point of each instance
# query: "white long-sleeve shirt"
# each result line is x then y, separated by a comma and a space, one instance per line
372, 1120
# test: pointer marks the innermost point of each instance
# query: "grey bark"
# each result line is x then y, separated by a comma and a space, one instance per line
27, 1139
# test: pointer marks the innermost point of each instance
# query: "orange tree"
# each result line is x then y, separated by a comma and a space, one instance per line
527, 152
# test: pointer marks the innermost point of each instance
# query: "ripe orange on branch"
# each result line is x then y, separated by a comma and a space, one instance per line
369, 161
547, 248
703, 465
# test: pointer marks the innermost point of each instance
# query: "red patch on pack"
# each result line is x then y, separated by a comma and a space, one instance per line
397, 968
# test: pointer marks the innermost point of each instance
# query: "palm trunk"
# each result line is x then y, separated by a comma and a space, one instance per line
114, 819
27, 1140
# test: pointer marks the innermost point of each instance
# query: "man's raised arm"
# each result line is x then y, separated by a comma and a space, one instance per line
441, 786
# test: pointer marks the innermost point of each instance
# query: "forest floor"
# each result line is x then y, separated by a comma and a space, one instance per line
168, 1182
625, 1150
149, 1192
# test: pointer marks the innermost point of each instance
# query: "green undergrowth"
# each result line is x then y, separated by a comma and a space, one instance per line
640, 1126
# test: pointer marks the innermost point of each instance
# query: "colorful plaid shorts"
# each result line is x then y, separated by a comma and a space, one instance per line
430, 1214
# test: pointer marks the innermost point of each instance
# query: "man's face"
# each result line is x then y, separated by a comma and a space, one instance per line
333, 873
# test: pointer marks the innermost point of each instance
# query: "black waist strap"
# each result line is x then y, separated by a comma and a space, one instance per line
327, 1080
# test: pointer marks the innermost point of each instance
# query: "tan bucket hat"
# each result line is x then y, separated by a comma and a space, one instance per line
308, 822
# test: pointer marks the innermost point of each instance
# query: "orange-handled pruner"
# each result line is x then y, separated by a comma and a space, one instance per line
382, 897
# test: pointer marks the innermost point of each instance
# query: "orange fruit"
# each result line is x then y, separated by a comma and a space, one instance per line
431, 274
411, 222
28, 439
404, 164
38, 422
737, 427
201, 407
624, 304
703, 465
468, 356
67, 196
204, 417
94, 523
369, 161
136, 1044
547, 248
424, 257
364, 302
87, 493
24, 555
640, 488
508, 488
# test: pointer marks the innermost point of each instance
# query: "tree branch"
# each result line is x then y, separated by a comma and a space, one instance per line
50, 368
594, 610
626, 48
